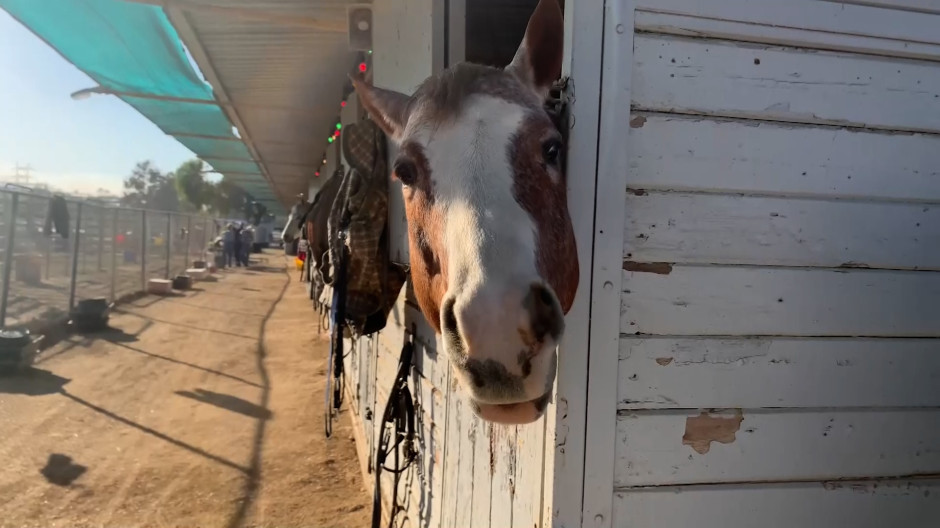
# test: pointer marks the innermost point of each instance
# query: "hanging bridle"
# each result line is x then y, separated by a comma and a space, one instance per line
396, 437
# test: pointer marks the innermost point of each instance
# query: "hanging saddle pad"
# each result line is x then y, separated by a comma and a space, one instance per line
361, 208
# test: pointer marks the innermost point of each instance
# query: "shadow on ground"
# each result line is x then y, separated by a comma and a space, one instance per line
61, 471
32, 382
228, 402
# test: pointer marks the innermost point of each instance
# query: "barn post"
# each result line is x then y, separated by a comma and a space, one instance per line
612, 153
114, 231
101, 238
76, 247
167, 241
48, 255
8, 258
205, 238
143, 250
80, 253
189, 239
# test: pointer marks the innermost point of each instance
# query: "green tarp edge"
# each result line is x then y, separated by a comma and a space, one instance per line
133, 48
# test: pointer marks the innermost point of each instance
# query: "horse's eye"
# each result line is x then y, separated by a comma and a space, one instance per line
551, 152
406, 172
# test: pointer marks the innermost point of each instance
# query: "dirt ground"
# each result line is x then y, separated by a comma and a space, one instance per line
201, 409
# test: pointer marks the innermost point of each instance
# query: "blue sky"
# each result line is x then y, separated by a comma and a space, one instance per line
71, 145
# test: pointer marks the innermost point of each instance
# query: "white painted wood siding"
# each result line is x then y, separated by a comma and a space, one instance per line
911, 504
779, 351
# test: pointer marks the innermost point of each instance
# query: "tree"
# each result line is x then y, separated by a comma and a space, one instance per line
188, 190
191, 185
226, 198
149, 188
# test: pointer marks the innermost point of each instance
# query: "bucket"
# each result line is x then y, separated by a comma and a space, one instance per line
14, 350
182, 282
91, 314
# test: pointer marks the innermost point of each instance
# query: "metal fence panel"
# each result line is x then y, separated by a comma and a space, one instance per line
93, 278
156, 250
39, 279
118, 249
128, 256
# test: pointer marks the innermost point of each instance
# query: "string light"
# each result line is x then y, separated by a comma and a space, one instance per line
342, 104
339, 126
362, 67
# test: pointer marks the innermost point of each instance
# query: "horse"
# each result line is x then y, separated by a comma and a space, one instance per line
494, 262
291, 229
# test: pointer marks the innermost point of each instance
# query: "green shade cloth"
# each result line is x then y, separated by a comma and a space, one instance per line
133, 48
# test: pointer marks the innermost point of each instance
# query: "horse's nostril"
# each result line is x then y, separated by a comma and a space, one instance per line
544, 296
547, 318
449, 319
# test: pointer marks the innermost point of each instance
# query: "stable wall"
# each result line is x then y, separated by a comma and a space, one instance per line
777, 253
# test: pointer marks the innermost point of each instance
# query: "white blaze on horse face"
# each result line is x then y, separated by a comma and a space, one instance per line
490, 245
291, 230
287, 234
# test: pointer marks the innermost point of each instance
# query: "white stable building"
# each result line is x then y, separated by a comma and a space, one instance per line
755, 187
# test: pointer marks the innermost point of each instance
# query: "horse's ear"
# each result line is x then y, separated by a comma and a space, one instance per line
388, 108
537, 62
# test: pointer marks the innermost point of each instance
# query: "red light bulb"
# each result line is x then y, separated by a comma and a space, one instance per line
362, 67
342, 104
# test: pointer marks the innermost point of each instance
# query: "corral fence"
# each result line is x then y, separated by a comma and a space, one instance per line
108, 251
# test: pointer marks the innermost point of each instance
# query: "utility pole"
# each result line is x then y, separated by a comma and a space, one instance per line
21, 174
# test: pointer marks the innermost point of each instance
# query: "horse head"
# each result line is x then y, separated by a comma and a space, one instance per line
493, 258
291, 230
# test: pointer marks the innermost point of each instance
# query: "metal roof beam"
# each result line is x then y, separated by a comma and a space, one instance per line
208, 159
212, 102
204, 136
248, 13
228, 173
189, 37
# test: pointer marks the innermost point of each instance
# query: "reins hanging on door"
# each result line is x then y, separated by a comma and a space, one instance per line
335, 377
397, 435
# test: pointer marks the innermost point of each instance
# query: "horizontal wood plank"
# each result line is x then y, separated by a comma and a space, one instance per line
689, 447
918, 6
723, 78
911, 504
723, 301
721, 229
825, 17
741, 156
702, 27
691, 373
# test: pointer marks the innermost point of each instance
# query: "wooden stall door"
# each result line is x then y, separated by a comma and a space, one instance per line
768, 251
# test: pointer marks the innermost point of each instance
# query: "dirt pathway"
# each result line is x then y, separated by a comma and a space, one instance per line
197, 410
